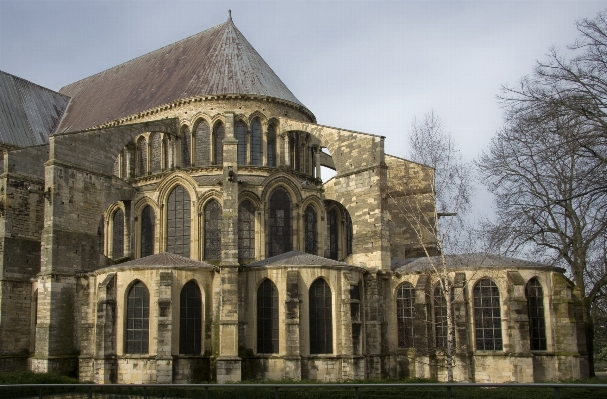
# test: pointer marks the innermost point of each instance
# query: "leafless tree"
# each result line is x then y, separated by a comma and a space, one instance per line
445, 228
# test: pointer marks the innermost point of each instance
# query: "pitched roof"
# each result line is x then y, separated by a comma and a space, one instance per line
29, 113
465, 261
165, 259
216, 61
296, 258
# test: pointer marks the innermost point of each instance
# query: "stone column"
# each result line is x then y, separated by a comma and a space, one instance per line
317, 162
517, 331
228, 362
130, 161
373, 325
462, 322
345, 314
164, 358
422, 328
105, 332
129, 231
292, 365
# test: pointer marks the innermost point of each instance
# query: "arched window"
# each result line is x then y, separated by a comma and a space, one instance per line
190, 320
218, 136
333, 235
487, 316
271, 143
142, 156
212, 230
186, 146
294, 151
118, 235
321, 320
155, 152
256, 142
349, 234
178, 222
166, 150
246, 231
279, 223
240, 134
137, 319
535, 309
405, 313
267, 318
101, 236
203, 143
440, 317
148, 222
311, 221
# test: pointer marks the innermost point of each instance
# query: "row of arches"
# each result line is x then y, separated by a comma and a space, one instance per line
486, 315
202, 146
137, 330
279, 233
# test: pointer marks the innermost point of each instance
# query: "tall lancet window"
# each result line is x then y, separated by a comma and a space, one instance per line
333, 235
212, 230
267, 318
118, 235
190, 319
203, 144
405, 314
142, 156
240, 133
311, 222
148, 222
219, 134
256, 142
137, 319
535, 309
186, 147
179, 222
487, 316
279, 223
271, 143
321, 318
246, 231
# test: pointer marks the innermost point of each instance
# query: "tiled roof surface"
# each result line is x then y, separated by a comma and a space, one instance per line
165, 259
295, 258
216, 61
473, 260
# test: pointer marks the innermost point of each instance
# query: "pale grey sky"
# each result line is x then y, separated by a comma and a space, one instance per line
369, 66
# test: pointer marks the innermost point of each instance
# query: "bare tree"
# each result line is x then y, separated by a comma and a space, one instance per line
445, 227
546, 205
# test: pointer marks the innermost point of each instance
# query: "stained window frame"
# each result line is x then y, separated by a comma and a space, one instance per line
333, 218
212, 229
488, 335
137, 319
439, 317
186, 147
219, 134
180, 243
118, 234
405, 315
311, 230
267, 323
241, 135
280, 228
246, 236
321, 318
190, 319
536, 314
271, 146
147, 238
256, 140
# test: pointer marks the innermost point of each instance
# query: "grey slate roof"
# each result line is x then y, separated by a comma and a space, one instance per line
464, 261
165, 259
296, 258
216, 61
29, 113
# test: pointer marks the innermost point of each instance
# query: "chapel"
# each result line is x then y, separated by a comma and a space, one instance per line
166, 221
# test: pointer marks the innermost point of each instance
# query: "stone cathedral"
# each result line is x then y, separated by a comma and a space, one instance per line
165, 221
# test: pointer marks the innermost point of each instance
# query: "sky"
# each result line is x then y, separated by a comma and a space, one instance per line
367, 66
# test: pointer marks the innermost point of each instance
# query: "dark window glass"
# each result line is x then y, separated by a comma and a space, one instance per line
333, 235
203, 144
212, 230
267, 318
246, 231
487, 316
294, 151
142, 156
311, 230
148, 222
101, 236
279, 223
321, 320
405, 313
190, 319
178, 222
349, 234
440, 317
240, 133
137, 319
535, 308
186, 146
271, 143
155, 152
256, 143
218, 136
118, 235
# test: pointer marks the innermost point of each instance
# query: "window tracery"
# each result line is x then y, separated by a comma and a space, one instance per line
535, 309
487, 316
279, 223
405, 314
179, 222
256, 142
311, 245
240, 134
246, 231
137, 319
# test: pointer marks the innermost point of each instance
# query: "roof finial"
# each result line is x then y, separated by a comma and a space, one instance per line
229, 15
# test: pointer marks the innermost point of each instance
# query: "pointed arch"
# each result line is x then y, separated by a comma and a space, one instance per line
240, 134
118, 234
311, 230
186, 147
405, 314
267, 317
219, 133
190, 319
246, 231
487, 316
142, 156
202, 135
321, 318
535, 311
148, 229
155, 152
271, 146
137, 319
178, 232
280, 232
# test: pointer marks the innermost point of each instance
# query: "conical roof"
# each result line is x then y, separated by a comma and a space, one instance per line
216, 61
